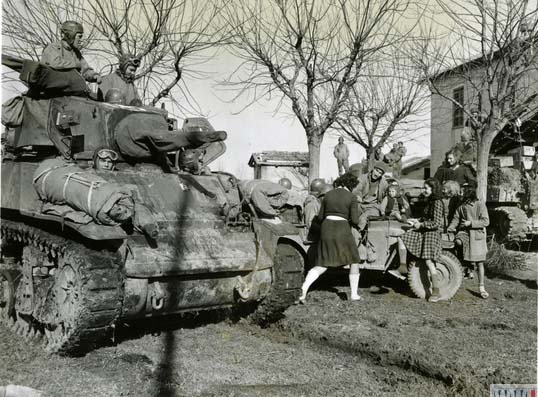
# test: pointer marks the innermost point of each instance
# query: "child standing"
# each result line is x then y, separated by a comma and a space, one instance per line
470, 221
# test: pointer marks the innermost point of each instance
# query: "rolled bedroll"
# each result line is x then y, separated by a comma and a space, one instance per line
60, 182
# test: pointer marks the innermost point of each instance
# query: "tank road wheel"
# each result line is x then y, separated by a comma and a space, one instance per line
287, 281
449, 267
86, 300
509, 224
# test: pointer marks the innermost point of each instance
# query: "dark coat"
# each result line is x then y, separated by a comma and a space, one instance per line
460, 173
337, 246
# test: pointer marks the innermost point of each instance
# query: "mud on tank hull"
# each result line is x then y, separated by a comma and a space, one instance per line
73, 282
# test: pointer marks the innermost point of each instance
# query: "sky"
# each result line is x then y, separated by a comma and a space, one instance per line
259, 128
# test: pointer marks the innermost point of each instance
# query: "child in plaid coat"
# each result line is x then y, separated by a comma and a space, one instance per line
424, 239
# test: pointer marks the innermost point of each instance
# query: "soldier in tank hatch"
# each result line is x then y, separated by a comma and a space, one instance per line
65, 54
123, 80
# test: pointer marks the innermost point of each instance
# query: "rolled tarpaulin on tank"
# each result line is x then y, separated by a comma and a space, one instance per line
141, 135
59, 182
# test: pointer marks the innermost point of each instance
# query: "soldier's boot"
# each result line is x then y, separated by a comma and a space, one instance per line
436, 280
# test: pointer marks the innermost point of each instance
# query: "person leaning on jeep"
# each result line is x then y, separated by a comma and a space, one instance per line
65, 54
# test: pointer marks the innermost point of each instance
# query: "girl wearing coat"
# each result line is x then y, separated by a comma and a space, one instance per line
470, 221
337, 247
424, 239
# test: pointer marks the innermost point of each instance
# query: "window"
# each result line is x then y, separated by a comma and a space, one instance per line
457, 111
426, 172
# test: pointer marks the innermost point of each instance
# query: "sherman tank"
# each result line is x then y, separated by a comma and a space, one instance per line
201, 247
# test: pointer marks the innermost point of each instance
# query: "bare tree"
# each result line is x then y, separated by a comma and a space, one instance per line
309, 54
171, 37
492, 50
388, 103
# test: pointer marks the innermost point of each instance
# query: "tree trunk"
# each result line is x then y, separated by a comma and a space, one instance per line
314, 146
482, 163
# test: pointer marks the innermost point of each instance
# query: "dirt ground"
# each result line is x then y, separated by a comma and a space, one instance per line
387, 344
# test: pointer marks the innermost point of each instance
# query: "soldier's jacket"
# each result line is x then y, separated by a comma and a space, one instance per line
341, 151
114, 80
61, 56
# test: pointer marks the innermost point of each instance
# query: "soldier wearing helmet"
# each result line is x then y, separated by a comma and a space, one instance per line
311, 207
123, 79
65, 54
285, 182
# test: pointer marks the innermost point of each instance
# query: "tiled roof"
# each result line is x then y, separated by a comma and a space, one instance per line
275, 157
416, 161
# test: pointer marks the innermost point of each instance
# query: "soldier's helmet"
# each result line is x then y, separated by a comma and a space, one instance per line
285, 182
69, 29
316, 185
115, 96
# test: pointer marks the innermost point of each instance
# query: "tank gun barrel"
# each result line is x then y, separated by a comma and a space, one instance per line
12, 62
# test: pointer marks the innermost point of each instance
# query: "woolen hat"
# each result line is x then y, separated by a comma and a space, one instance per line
380, 165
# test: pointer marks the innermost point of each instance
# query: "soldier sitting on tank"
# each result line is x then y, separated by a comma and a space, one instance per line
266, 197
123, 80
65, 54
104, 159
452, 170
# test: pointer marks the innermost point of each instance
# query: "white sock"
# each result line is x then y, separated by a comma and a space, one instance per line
354, 284
312, 276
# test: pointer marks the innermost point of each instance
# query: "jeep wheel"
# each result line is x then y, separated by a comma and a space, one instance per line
449, 267
286, 289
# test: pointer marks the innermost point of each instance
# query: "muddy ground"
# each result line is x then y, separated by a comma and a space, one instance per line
388, 344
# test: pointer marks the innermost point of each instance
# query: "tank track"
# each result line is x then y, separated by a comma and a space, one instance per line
288, 278
510, 224
73, 299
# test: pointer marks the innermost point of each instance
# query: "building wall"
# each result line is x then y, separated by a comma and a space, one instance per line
443, 135
416, 174
274, 174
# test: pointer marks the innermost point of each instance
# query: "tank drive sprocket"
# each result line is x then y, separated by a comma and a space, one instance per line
68, 292
509, 224
288, 277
